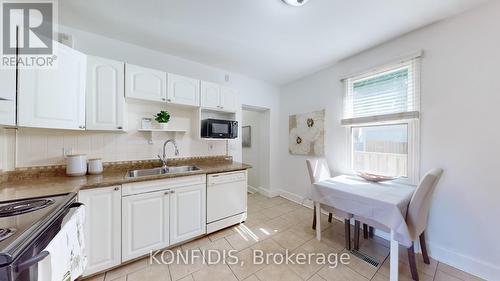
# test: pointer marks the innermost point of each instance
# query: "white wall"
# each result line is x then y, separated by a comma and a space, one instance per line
258, 154
459, 130
44, 147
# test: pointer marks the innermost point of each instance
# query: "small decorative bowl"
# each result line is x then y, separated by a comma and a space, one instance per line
374, 177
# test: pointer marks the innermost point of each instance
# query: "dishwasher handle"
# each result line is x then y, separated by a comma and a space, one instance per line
226, 178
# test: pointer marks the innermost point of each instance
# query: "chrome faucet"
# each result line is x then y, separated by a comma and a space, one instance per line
164, 158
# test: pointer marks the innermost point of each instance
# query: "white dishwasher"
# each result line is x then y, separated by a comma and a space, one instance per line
226, 199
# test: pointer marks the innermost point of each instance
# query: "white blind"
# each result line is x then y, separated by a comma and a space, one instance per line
390, 93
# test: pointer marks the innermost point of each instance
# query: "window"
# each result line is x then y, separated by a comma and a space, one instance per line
381, 114
381, 150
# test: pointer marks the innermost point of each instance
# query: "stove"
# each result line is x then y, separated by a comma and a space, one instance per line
23, 207
26, 227
6, 233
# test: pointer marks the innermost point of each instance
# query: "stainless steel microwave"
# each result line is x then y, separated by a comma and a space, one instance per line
219, 129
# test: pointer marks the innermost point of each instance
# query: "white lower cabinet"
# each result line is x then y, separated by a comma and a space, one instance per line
159, 213
102, 228
187, 213
145, 223
127, 222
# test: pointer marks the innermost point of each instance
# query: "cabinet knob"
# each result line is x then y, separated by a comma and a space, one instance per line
163, 99
119, 127
172, 191
169, 100
117, 188
167, 192
81, 127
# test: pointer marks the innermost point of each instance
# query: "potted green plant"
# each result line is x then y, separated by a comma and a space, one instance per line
162, 118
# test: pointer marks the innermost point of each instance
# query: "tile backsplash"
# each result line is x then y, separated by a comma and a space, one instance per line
40, 147
45, 147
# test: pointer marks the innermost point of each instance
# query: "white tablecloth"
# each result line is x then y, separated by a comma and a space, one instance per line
385, 203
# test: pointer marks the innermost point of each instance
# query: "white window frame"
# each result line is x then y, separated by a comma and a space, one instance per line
413, 124
413, 164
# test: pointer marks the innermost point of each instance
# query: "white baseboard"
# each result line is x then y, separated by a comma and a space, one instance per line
264, 191
302, 201
295, 198
465, 263
252, 189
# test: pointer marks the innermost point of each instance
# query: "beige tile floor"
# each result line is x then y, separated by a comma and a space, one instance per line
275, 225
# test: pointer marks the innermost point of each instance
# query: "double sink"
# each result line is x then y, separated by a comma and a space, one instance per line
161, 171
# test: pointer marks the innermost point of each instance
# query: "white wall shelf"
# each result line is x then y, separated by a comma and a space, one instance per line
168, 130
163, 130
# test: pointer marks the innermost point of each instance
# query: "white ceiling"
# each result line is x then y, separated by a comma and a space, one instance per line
265, 39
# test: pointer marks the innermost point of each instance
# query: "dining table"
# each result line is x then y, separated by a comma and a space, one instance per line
385, 203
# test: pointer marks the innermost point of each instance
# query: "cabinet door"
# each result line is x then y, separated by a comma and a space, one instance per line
145, 83
145, 223
105, 104
210, 95
54, 98
183, 90
8, 97
187, 213
228, 99
102, 228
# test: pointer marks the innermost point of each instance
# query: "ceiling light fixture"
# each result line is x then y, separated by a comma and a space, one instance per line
295, 3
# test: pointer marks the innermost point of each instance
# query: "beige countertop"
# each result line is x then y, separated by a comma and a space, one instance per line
51, 185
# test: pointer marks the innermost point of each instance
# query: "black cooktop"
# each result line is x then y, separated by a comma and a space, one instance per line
21, 219
24, 206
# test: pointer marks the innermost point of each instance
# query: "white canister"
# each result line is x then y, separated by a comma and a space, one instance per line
76, 165
95, 166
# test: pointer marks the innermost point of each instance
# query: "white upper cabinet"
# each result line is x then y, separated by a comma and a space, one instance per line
105, 105
187, 213
145, 83
228, 99
8, 97
54, 98
216, 97
210, 95
183, 90
102, 229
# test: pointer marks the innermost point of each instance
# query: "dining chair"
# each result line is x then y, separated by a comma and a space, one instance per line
318, 170
416, 219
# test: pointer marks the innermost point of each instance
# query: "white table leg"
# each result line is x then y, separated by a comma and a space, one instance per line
318, 220
394, 265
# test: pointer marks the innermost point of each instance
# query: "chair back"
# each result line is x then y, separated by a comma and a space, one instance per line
418, 210
318, 169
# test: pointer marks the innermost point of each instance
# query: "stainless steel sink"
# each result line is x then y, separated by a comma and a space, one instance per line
181, 169
161, 171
